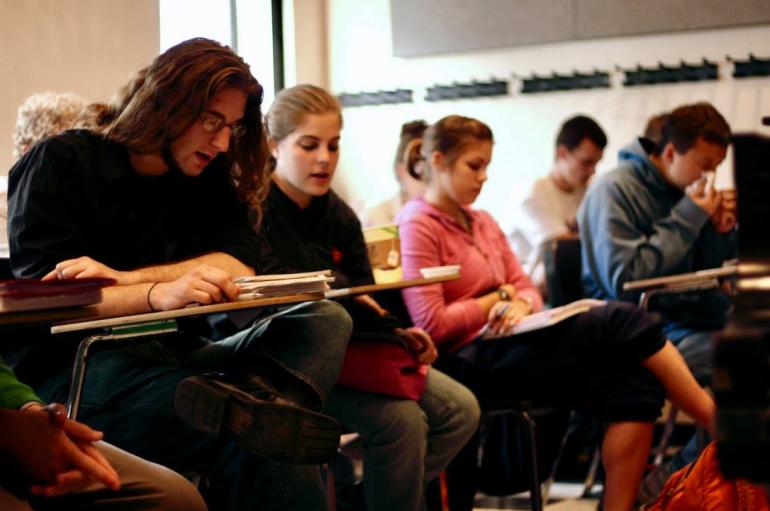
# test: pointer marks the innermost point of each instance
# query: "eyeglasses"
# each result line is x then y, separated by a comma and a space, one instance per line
213, 123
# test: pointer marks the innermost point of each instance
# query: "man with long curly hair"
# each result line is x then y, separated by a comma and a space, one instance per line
156, 198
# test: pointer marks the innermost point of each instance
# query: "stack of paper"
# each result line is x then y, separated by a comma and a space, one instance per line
270, 286
29, 294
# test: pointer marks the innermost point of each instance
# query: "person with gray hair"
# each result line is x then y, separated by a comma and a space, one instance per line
40, 115
44, 114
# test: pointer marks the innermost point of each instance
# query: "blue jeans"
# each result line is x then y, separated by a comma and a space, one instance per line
129, 395
406, 443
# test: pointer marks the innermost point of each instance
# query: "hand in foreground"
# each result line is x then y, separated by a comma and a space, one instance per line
366, 300
56, 453
702, 193
204, 285
726, 215
419, 343
504, 314
85, 267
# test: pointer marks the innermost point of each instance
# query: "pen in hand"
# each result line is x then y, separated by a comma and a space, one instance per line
498, 315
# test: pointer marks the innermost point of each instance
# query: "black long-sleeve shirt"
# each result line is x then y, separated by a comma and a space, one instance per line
76, 194
325, 235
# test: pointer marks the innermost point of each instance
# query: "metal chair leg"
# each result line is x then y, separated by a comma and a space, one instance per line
81, 361
665, 437
536, 497
590, 479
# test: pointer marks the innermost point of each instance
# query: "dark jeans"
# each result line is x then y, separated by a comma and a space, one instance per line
129, 395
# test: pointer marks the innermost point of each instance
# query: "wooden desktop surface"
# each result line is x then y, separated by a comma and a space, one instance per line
399, 284
196, 310
98, 323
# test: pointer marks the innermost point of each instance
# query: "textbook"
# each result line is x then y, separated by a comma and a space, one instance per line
287, 284
31, 294
544, 318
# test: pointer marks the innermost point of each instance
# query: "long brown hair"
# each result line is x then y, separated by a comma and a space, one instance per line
164, 99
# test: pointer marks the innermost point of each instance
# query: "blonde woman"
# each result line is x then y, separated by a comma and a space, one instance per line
407, 442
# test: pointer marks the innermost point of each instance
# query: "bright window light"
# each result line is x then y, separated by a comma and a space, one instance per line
183, 19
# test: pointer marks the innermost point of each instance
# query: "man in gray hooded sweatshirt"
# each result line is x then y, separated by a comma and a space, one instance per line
658, 214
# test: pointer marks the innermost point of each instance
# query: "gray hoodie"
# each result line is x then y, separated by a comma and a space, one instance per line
634, 225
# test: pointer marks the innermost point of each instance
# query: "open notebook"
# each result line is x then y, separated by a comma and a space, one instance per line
544, 318
287, 284
30, 294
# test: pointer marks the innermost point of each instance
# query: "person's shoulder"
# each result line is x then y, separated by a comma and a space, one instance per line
416, 210
339, 208
542, 183
66, 149
621, 177
485, 218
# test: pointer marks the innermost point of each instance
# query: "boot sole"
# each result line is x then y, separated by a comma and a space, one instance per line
278, 431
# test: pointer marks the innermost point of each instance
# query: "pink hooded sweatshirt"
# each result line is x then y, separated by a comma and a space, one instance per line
449, 311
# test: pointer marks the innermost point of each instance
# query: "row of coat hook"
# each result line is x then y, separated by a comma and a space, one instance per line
684, 72
473, 89
380, 97
751, 67
557, 82
671, 74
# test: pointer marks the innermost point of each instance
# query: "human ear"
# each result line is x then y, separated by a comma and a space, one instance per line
561, 151
273, 145
668, 153
436, 160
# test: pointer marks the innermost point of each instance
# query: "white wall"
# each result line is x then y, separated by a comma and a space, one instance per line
360, 59
89, 47
305, 42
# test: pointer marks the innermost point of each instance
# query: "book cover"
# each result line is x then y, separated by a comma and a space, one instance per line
30, 294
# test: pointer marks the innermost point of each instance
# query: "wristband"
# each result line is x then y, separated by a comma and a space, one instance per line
503, 294
148, 296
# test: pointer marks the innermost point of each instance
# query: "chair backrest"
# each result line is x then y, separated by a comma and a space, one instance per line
561, 259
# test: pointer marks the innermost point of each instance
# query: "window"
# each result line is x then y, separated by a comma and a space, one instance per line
244, 25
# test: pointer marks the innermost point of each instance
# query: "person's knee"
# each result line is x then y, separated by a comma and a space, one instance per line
404, 424
173, 492
465, 414
456, 409
337, 314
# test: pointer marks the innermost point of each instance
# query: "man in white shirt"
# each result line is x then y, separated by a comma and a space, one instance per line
548, 212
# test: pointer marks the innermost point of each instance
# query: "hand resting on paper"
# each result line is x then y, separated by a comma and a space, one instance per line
503, 315
204, 285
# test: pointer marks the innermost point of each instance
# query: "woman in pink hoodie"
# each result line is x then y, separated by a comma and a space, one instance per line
612, 360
